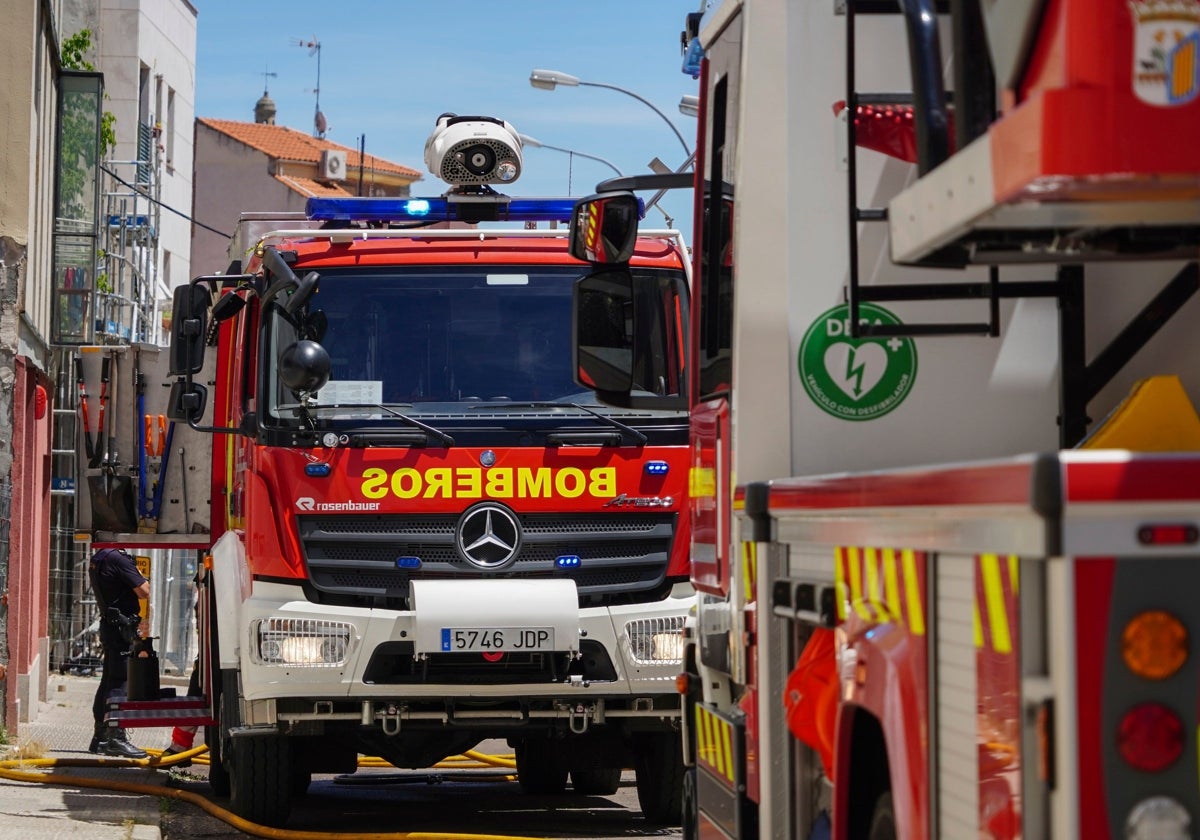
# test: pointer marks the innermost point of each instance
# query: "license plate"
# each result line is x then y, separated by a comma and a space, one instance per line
492, 639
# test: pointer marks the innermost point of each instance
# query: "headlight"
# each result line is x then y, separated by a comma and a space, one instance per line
656, 641
303, 641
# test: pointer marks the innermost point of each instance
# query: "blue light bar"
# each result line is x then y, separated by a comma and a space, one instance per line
567, 561
657, 468
317, 470
408, 562
441, 209
692, 58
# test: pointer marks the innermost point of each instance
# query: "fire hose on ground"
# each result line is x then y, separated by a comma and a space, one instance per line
13, 770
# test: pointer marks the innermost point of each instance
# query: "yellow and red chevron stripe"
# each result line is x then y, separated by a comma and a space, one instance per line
995, 609
714, 746
749, 571
881, 585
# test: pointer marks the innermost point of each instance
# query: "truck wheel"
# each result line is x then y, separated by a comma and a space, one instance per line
595, 781
260, 779
883, 821
540, 769
218, 776
218, 744
659, 768
691, 805
298, 781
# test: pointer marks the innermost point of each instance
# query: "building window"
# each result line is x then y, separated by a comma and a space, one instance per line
171, 129
158, 109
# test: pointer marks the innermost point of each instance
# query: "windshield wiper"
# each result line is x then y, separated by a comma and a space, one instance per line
639, 436
446, 439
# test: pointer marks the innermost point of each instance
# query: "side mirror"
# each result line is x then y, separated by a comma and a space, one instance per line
304, 290
227, 306
189, 324
187, 402
604, 228
603, 331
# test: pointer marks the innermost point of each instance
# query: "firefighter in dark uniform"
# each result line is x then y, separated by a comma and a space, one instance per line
117, 585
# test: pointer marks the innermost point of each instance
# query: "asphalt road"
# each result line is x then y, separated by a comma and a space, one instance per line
438, 801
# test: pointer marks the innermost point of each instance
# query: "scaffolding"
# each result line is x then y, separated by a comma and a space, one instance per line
115, 297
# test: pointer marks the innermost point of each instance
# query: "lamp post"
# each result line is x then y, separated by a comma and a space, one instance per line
689, 105
538, 144
550, 79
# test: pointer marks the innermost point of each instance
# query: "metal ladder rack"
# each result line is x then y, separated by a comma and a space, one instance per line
974, 109
991, 291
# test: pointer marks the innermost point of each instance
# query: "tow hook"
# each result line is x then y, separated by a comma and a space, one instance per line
389, 719
580, 716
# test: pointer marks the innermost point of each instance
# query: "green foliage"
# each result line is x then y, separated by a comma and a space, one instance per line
3, 736
74, 50
74, 57
108, 133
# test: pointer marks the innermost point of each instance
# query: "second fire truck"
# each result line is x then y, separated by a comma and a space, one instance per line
946, 584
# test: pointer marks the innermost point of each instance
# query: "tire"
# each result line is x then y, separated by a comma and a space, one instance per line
659, 768
298, 781
883, 819
218, 776
260, 779
540, 769
691, 805
595, 781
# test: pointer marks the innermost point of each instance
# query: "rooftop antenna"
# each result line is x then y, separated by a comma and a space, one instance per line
267, 74
314, 48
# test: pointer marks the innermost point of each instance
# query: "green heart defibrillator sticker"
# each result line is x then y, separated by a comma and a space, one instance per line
856, 378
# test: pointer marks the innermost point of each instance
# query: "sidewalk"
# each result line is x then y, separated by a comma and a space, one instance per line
62, 729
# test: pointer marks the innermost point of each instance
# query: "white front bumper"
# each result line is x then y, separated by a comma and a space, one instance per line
481, 605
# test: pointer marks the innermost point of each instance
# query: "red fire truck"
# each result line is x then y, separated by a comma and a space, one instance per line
904, 626
423, 533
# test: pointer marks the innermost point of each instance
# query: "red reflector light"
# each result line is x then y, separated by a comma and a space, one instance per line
1150, 737
1168, 534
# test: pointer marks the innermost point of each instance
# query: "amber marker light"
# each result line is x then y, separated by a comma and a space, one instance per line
1154, 644
682, 683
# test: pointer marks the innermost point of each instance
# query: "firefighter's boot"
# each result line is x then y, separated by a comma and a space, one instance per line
117, 744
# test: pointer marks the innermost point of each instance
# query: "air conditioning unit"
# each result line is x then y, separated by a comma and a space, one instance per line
333, 165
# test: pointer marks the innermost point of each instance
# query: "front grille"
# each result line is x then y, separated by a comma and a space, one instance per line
352, 559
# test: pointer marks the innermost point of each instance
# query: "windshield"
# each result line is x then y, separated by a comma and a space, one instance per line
457, 342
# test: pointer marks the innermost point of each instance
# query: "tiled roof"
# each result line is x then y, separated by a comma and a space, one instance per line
283, 143
308, 187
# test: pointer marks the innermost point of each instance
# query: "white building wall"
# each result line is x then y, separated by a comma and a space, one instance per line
147, 46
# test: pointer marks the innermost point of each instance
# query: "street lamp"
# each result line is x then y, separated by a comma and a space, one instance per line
689, 105
549, 79
538, 144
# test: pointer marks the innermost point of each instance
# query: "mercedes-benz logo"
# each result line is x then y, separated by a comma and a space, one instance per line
488, 536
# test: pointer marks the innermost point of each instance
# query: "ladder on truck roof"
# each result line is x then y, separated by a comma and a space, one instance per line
926, 115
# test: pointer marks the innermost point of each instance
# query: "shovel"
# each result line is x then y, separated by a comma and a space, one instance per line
111, 494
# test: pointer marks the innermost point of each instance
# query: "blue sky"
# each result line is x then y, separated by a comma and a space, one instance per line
388, 69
